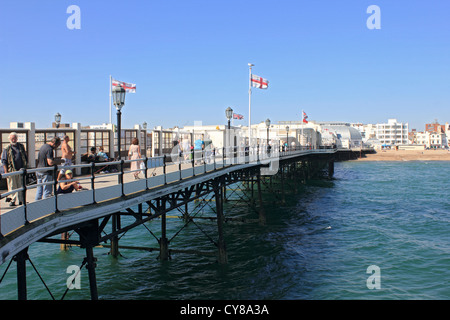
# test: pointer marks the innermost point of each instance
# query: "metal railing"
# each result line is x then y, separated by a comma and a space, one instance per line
172, 167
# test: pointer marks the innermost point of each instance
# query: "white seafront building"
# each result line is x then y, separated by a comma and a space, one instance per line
433, 139
392, 133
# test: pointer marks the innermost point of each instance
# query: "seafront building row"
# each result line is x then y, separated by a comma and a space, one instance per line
159, 140
395, 133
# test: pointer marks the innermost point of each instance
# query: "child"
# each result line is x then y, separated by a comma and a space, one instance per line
68, 187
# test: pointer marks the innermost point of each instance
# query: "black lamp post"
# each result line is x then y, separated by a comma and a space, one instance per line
118, 93
229, 115
57, 120
268, 128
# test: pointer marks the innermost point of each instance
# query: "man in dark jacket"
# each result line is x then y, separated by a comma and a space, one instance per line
13, 159
46, 159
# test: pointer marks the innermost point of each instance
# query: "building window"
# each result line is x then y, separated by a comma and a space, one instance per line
94, 138
43, 137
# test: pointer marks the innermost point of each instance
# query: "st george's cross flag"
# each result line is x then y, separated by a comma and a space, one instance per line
129, 87
304, 117
238, 116
259, 82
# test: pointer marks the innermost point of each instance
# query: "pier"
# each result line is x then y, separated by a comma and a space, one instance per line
93, 215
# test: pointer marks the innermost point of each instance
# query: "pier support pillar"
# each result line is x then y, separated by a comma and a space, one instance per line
89, 238
283, 197
64, 246
330, 169
90, 266
114, 251
262, 212
222, 254
163, 241
21, 260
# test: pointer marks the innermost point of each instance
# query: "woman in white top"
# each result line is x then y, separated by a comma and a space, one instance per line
133, 154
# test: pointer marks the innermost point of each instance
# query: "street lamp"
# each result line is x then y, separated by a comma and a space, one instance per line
268, 127
144, 126
287, 138
229, 115
57, 120
118, 93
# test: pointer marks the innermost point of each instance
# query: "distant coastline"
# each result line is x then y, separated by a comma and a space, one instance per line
407, 155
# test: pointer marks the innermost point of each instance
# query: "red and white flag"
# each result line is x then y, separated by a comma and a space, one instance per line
305, 117
238, 116
259, 82
129, 87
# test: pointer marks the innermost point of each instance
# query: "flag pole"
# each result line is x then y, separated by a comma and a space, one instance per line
303, 115
110, 93
249, 105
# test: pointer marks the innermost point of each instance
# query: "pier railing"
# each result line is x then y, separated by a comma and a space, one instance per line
156, 171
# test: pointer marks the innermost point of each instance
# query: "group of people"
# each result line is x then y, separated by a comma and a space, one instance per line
14, 158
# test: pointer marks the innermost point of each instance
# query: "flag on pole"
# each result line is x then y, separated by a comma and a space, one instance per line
305, 117
129, 87
259, 82
238, 116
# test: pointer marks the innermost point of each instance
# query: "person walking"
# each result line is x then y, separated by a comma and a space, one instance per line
14, 158
46, 159
134, 153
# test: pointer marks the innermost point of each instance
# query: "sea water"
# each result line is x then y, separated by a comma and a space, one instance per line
378, 230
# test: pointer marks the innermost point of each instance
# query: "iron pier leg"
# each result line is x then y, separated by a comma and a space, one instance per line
283, 197
225, 192
163, 241
91, 264
64, 246
223, 259
114, 251
21, 259
89, 238
330, 169
186, 212
262, 212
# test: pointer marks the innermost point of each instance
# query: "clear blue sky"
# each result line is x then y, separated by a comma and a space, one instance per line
189, 60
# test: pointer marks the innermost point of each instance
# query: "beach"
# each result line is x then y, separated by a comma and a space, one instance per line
407, 155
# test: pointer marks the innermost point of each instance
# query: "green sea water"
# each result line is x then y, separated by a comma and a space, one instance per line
317, 246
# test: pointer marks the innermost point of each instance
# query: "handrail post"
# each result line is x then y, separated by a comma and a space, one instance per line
179, 163
121, 176
55, 186
204, 158
192, 161
92, 181
145, 173
24, 194
214, 155
164, 169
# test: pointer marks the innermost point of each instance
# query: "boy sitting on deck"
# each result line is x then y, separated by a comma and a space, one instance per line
68, 187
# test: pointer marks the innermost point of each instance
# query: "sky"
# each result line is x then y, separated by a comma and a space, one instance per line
189, 61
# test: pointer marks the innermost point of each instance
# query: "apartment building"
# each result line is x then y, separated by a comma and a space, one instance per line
392, 132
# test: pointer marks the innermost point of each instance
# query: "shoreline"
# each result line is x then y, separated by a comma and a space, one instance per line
407, 155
